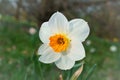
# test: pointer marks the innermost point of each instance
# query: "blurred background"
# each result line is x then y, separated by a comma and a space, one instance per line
20, 21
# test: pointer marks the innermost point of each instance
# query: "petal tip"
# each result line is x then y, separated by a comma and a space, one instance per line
58, 12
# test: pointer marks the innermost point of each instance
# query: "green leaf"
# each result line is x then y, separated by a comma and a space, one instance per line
37, 66
78, 65
90, 71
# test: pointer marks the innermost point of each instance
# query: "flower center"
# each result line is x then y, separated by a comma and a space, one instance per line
59, 42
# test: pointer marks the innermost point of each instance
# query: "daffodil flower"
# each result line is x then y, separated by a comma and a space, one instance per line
62, 41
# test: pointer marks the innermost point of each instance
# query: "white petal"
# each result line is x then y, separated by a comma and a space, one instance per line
49, 56
59, 23
42, 48
76, 50
45, 32
79, 29
65, 63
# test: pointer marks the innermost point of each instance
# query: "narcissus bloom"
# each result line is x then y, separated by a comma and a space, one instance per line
62, 41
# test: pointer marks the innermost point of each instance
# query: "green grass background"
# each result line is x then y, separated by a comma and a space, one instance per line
19, 62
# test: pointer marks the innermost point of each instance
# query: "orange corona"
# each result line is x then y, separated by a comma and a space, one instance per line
59, 42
